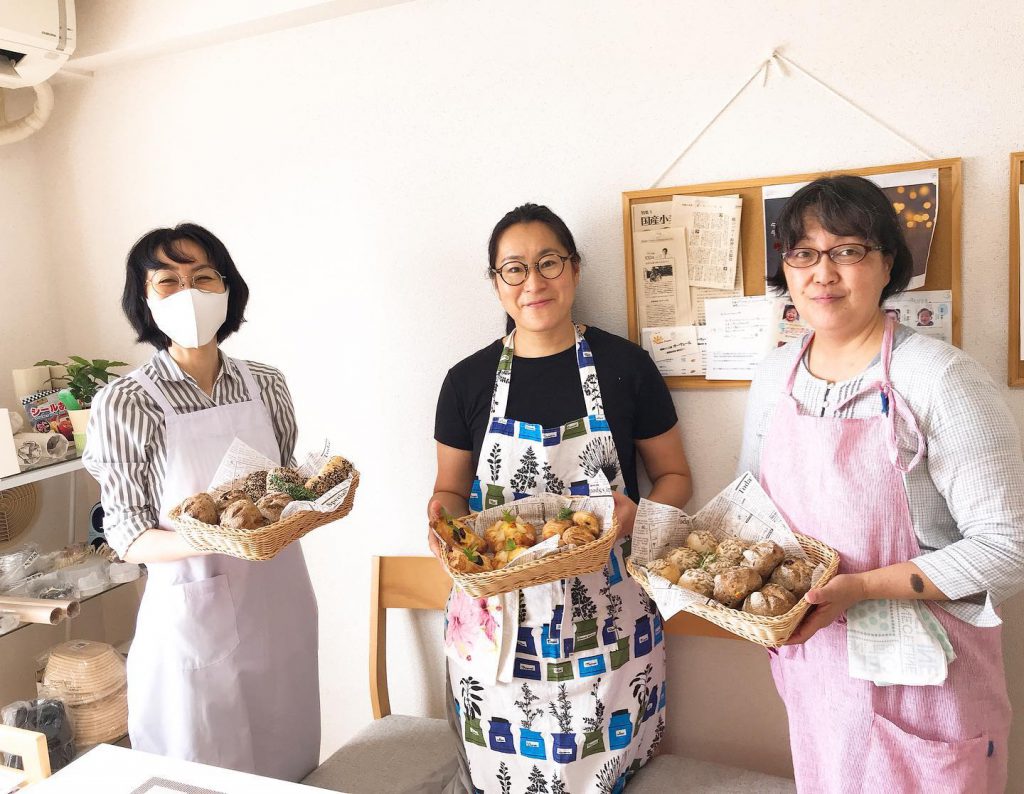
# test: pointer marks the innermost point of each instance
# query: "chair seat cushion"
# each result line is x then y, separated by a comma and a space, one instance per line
679, 774
394, 755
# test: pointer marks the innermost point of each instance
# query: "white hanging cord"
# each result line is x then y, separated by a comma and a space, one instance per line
763, 69
790, 62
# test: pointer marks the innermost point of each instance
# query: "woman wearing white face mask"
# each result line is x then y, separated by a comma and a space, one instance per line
223, 668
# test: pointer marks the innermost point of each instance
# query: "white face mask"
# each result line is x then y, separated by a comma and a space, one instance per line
190, 318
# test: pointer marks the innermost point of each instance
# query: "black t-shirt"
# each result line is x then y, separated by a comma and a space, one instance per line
547, 391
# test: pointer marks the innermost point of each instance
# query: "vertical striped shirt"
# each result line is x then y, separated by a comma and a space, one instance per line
127, 438
966, 495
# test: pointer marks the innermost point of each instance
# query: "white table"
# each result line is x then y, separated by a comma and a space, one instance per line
118, 770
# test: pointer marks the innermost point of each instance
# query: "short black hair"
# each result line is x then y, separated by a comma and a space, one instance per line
847, 206
142, 259
529, 213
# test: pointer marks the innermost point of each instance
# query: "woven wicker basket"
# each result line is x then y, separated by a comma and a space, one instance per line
572, 562
262, 543
771, 632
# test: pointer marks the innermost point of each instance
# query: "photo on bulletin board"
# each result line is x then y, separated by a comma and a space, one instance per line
914, 196
696, 258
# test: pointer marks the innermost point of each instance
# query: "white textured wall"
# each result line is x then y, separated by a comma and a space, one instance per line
355, 167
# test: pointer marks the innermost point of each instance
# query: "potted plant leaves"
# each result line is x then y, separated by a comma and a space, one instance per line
84, 378
584, 613
531, 742
471, 698
593, 727
563, 743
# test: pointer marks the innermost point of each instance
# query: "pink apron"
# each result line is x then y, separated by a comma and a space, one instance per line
840, 480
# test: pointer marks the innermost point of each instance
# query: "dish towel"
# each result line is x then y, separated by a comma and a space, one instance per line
897, 642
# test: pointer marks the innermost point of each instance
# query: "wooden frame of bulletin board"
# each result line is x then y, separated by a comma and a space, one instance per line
1015, 367
943, 258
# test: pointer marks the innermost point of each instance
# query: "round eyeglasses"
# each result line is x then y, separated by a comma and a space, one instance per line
166, 282
550, 266
845, 254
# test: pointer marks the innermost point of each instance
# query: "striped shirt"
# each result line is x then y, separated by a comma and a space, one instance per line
966, 495
127, 439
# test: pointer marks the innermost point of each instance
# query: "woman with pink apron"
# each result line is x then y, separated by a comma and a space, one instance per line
860, 436
223, 666
557, 687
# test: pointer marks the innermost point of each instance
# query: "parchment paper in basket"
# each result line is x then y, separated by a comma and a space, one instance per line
742, 509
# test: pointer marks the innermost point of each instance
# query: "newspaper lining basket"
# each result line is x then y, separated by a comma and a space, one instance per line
576, 561
262, 543
771, 632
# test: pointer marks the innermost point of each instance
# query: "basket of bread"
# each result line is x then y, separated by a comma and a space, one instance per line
256, 515
736, 563
531, 541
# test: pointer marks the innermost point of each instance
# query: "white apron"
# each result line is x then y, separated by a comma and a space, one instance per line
565, 693
223, 668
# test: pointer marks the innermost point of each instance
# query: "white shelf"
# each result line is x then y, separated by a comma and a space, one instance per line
42, 473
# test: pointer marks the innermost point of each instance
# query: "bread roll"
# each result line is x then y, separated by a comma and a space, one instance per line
255, 485
468, 561
587, 520
576, 536
795, 575
731, 550
282, 476
735, 584
271, 505
763, 557
334, 472
698, 581
684, 558
242, 514
201, 507
702, 541
715, 566
664, 569
509, 527
771, 600
228, 497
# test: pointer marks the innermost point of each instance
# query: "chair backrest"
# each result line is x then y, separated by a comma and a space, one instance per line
421, 583
31, 746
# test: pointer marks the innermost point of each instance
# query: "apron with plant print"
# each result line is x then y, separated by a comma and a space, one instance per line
558, 687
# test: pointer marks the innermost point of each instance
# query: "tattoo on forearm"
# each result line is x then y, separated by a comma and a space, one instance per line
917, 583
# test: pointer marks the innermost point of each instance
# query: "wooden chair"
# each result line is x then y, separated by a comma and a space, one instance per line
35, 758
367, 763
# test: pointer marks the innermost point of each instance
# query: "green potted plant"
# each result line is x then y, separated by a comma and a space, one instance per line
79, 386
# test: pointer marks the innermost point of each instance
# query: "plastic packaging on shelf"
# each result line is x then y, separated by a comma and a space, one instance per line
9, 621
121, 572
49, 717
18, 564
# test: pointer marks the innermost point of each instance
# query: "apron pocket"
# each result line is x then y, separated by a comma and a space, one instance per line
201, 628
900, 761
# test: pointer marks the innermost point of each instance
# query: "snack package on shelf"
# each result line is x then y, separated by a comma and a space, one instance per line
736, 562
18, 564
49, 717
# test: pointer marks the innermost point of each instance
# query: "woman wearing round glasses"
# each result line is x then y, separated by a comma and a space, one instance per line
223, 667
554, 407
895, 449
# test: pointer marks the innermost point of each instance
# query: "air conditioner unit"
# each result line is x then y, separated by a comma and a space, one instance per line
36, 39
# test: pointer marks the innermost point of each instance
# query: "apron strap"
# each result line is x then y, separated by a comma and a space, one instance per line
153, 391
893, 405
585, 366
255, 393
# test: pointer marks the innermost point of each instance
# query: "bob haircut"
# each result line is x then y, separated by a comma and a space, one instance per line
847, 206
529, 213
142, 260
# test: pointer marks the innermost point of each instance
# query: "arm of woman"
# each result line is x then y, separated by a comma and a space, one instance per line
974, 459
120, 432
668, 470
453, 483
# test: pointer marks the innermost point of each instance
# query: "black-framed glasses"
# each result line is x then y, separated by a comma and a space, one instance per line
550, 266
166, 282
845, 254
